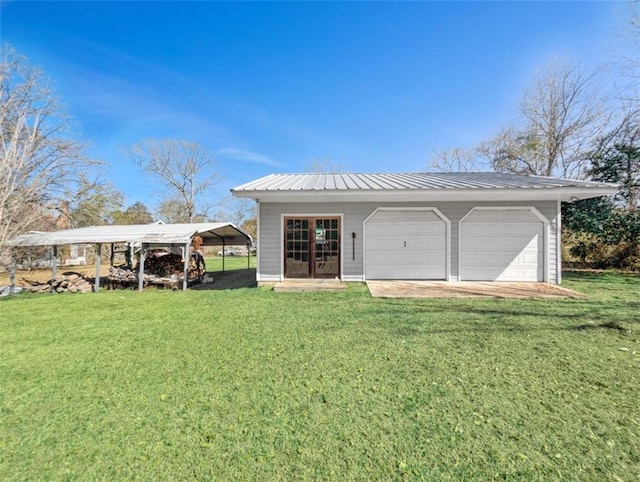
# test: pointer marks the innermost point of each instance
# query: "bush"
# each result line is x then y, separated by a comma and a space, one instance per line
588, 251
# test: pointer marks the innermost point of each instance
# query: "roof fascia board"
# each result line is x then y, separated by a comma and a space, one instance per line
156, 236
502, 194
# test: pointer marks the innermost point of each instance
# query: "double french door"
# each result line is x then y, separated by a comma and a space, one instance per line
311, 247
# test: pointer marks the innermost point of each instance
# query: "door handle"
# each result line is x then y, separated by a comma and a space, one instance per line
405, 244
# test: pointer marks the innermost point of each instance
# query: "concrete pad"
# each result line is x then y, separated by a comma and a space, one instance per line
300, 285
466, 289
6, 290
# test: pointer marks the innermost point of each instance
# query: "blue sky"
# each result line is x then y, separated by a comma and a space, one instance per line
273, 87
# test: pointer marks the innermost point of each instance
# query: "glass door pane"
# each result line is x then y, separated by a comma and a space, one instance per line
297, 247
312, 247
327, 244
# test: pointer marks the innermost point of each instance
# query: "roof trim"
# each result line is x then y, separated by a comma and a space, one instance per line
519, 194
419, 186
213, 234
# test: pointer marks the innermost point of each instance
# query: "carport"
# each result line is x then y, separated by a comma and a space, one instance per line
145, 235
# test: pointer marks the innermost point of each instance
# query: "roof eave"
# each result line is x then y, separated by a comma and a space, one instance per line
409, 195
214, 234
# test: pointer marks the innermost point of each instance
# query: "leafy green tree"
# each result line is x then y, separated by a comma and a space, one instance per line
620, 164
137, 213
611, 224
177, 211
94, 204
587, 215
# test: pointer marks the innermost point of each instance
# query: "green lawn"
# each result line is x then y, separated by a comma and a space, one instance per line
230, 263
249, 384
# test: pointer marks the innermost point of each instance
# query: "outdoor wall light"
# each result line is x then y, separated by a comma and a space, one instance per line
353, 246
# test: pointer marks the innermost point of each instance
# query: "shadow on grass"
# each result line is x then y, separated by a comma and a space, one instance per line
610, 325
230, 280
488, 328
438, 318
601, 277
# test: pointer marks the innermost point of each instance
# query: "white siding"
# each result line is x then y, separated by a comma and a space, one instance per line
354, 214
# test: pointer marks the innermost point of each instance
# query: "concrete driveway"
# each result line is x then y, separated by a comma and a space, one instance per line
466, 289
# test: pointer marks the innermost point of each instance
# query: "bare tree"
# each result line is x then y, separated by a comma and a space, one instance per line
325, 167
237, 210
39, 161
631, 32
186, 172
560, 116
514, 150
454, 159
630, 65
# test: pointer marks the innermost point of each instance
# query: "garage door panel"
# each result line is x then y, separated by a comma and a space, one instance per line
502, 245
397, 271
530, 258
427, 228
388, 244
403, 216
402, 257
408, 244
488, 259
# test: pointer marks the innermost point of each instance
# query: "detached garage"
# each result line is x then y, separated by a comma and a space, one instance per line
426, 226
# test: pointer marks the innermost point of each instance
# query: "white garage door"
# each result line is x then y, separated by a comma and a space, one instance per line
409, 244
502, 245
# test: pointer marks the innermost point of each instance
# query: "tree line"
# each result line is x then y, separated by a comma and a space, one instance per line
576, 123
571, 122
47, 181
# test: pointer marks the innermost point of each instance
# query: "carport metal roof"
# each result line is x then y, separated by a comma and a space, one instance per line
213, 234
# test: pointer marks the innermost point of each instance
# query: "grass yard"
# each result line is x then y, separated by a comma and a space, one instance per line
230, 263
249, 384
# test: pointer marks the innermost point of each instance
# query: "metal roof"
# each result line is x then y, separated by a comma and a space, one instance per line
419, 186
403, 181
213, 234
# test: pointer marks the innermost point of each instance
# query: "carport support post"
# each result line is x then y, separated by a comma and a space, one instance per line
54, 264
248, 256
12, 274
141, 268
96, 284
187, 256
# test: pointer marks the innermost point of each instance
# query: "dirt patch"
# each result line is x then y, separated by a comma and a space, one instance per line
221, 280
309, 285
464, 289
44, 274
